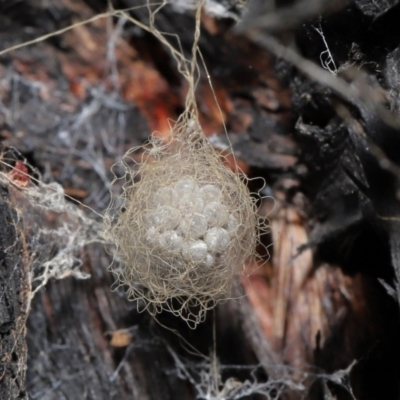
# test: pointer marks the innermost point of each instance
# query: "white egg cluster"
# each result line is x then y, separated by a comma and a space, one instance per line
190, 221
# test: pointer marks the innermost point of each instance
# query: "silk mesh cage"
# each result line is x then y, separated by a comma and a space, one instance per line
184, 223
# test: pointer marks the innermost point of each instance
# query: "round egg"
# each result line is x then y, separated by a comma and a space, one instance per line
151, 235
186, 197
209, 261
217, 239
170, 240
190, 203
210, 193
164, 217
185, 187
216, 214
195, 251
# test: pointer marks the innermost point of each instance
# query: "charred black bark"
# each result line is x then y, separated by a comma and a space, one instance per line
13, 308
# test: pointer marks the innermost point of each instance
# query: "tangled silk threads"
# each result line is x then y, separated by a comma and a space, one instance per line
186, 228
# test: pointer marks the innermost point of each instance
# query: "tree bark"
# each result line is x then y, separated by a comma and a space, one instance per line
326, 143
